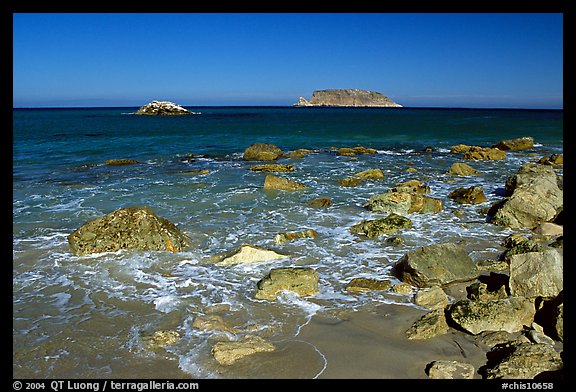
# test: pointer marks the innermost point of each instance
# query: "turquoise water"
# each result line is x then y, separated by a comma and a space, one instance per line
88, 316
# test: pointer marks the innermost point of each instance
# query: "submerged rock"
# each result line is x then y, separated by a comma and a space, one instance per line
273, 168
302, 281
367, 284
280, 183
320, 202
160, 339
356, 179
377, 227
353, 151
471, 195
228, 353
282, 238
120, 162
127, 228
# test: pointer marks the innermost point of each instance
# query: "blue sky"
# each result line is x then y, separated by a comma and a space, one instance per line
418, 60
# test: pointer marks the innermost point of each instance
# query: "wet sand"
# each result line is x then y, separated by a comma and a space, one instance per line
371, 344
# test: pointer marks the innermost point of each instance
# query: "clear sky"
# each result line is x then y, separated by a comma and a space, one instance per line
416, 59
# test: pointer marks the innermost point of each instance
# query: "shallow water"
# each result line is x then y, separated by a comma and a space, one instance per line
88, 317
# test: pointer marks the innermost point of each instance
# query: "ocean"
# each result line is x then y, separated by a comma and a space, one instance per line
92, 316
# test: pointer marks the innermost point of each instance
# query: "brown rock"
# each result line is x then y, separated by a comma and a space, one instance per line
273, 182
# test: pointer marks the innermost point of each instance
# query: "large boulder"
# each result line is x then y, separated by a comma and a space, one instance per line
438, 264
534, 198
403, 203
300, 280
127, 228
536, 274
262, 152
162, 108
509, 314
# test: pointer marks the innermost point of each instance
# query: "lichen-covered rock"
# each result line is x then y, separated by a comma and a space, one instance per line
162, 108
127, 228
228, 353
377, 227
302, 281
508, 314
437, 264
522, 361
262, 152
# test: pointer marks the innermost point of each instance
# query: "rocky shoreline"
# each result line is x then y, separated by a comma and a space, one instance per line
513, 305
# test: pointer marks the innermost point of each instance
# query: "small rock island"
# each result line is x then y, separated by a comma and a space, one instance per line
347, 97
163, 108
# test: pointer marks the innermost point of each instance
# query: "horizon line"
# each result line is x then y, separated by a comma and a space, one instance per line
300, 107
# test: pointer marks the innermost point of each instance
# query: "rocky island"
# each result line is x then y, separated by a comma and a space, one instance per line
162, 108
347, 97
